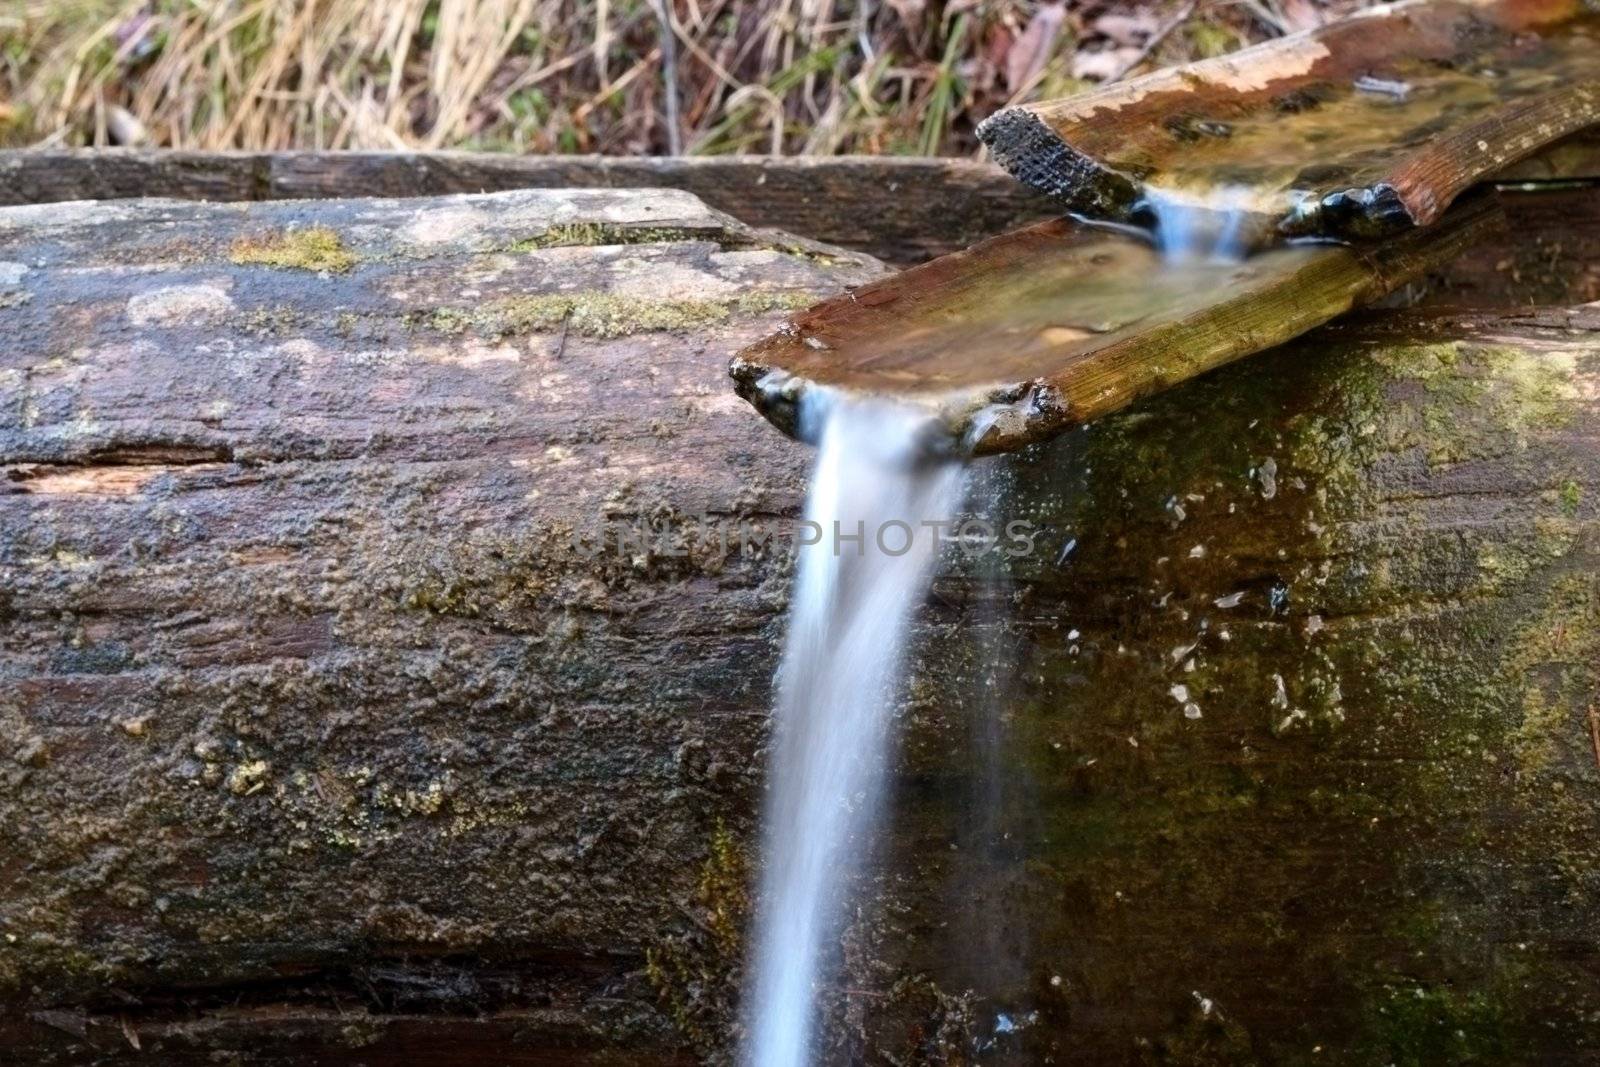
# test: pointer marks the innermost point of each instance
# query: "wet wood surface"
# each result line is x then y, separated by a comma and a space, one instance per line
1363, 127
903, 210
900, 210
1031, 333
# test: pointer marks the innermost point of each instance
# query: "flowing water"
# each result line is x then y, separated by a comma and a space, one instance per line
1215, 229
851, 612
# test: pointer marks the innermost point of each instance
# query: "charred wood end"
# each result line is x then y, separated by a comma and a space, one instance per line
1365, 213
772, 392
1036, 156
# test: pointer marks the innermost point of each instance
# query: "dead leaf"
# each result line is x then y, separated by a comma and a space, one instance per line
1127, 30
1301, 15
1029, 53
1098, 66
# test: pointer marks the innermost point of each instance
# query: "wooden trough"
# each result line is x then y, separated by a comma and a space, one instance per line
1364, 129
1360, 128
387, 622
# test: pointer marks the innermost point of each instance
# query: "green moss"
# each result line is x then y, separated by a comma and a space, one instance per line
315, 248
1471, 389
696, 974
603, 315
1571, 497
587, 234
273, 320
763, 301
590, 234
1418, 1026
802, 252
1210, 39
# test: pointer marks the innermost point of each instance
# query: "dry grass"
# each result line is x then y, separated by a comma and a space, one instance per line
786, 76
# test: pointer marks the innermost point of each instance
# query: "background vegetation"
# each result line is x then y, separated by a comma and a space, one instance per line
788, 76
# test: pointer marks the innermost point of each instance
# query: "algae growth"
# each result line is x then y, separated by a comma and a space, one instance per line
696, 974
314, 248
602, 315
595, 234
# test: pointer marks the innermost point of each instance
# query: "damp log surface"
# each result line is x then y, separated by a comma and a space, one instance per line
1361, 128
318, 689
325, 741
898, 209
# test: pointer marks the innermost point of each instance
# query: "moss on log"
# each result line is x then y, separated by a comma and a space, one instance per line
1298, 749
325, 740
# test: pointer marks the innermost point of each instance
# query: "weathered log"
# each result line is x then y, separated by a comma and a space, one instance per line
1032, 333
1362, 127
900, 210
234, 800
904, 210
324, 741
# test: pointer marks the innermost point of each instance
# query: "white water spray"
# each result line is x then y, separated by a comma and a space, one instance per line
852, 608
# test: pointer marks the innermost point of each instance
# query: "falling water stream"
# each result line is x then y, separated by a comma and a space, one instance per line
877, 493
873, 490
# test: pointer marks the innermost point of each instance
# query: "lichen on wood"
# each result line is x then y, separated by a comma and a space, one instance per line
314, 248
605, 315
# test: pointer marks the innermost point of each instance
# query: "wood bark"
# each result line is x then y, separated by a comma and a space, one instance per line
1360, 128
328, 736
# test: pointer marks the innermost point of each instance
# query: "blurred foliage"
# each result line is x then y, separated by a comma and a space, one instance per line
789, 76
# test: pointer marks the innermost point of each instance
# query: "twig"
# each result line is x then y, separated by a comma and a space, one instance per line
669, 74
1183, 15
1594, 731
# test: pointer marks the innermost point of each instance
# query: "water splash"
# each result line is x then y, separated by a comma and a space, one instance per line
1216, 229
851, 612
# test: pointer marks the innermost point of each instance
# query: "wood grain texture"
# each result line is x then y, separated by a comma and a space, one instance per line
1027, 335
322, 740
1361, 128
